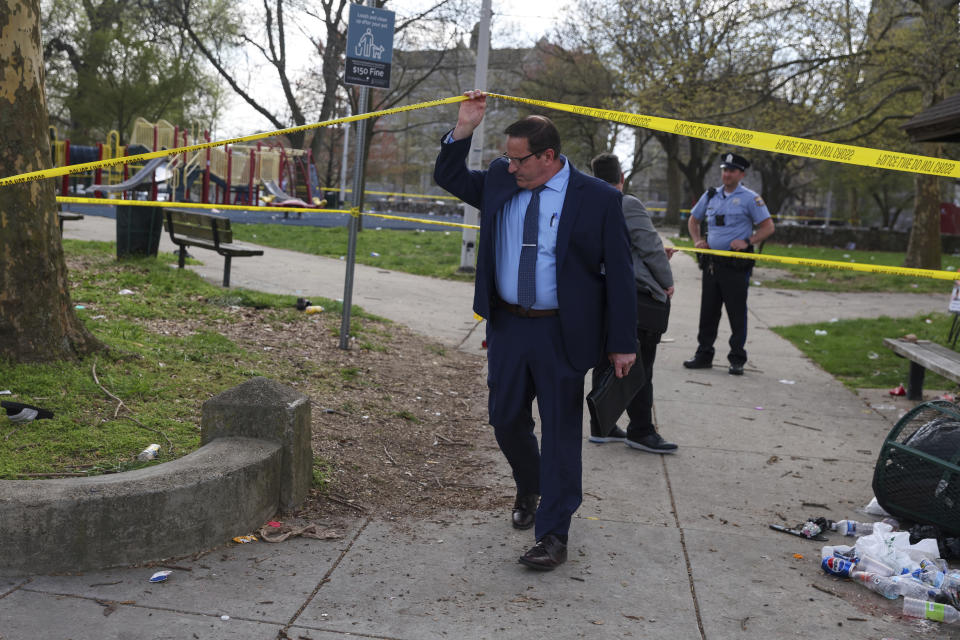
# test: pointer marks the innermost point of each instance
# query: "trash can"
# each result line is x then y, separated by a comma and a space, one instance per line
138, 230
917, 477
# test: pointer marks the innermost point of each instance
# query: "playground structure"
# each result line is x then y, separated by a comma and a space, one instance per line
266, 173
232, 174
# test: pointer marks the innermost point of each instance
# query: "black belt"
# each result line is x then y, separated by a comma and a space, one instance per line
523, 312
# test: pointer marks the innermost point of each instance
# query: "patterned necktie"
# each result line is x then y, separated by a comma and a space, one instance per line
527, 273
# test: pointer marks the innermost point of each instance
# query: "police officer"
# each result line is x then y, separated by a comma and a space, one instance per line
737, 219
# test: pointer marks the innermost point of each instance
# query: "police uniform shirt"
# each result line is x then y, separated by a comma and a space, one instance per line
730, 216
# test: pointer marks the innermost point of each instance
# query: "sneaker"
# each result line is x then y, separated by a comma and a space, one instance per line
617, 435
698, 362
651, 442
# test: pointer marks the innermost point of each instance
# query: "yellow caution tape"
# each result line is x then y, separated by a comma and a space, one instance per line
421, 220
935, 274
779, 217
832, 151
193, 205
244, 207
790, 145
87, 166
829, 264
395, 193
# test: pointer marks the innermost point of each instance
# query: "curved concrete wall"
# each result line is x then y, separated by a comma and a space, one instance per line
226, 488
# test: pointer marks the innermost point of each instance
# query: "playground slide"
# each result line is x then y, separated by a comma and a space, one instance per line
281, 198
138, 178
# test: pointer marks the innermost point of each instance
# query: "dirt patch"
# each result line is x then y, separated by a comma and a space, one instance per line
399, 424
770, 274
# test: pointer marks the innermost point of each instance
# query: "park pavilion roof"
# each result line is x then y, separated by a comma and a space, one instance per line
939, 123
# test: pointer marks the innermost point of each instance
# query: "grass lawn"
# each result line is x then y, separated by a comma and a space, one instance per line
162, 372
853, 351
425, 253
806, 278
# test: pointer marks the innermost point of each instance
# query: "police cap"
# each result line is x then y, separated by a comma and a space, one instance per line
733, 161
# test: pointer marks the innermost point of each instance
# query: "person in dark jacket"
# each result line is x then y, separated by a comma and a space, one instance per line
654, 285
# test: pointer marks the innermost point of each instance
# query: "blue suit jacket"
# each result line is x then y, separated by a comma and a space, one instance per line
597, 312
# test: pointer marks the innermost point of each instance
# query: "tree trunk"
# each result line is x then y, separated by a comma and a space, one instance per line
671, 146
331, 52
37, 322
854, 212
696, 170
923, 249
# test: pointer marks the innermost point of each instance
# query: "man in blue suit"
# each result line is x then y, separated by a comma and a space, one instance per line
555, 283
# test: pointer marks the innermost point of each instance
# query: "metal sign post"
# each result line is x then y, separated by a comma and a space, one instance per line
369, 53
471, 215
354, 224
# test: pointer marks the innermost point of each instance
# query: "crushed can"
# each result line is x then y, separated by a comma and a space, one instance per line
838, 566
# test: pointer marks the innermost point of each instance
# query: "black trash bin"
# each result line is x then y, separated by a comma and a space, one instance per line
917, 477
138, 230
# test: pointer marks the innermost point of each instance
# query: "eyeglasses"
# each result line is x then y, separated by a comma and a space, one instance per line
519, 161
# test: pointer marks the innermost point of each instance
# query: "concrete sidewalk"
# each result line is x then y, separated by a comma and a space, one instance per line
663, 547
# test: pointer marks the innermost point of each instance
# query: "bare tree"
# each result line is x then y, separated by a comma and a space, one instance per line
37, 322
313, 94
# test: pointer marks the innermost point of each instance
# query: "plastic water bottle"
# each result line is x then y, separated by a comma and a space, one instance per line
951, 581
910, 587
872, 565
930, 573
879, 584
853, 528
842, 550
838, 566
149, 453
930, 610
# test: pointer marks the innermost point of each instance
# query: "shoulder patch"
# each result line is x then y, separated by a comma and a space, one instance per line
759, 201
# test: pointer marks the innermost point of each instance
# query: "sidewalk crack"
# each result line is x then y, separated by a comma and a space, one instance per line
325, 579
683, 545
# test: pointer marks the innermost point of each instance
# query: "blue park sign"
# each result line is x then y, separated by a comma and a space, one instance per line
369, 46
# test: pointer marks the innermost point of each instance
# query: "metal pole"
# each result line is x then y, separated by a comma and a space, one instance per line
354, 221
468, 245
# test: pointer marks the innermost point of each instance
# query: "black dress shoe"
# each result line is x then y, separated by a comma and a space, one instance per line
697, 362
651, 442
548, 554
736, 369
525, 511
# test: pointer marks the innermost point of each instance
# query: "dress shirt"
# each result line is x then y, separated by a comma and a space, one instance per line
509, 239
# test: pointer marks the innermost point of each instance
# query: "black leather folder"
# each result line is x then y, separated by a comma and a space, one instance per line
609, 398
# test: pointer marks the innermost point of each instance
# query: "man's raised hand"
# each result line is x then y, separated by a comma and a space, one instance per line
471, 113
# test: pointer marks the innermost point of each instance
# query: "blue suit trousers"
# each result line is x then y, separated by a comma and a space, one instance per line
526, 360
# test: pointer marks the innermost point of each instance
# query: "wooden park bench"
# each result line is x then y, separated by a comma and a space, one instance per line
67, 215
191, 229
924, 355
